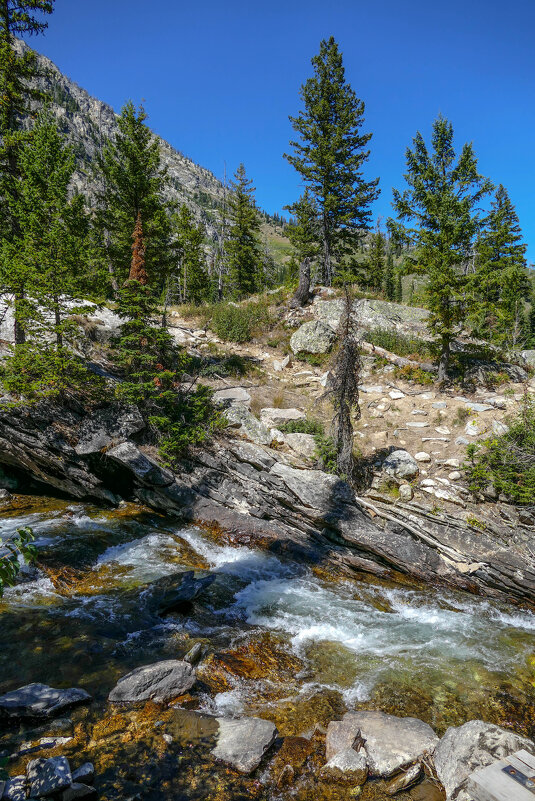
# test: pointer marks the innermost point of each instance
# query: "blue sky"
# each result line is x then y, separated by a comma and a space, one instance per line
220, 77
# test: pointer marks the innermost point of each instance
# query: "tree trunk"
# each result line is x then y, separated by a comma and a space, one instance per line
444, 360
344, 442
302, 293
18, 328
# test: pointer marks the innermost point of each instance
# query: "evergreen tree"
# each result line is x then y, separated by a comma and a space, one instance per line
132, 183
17, 69
376, 261
389, 284
242, 245
441, 200
303, 233
399, 287
330, 155
500, 283
192, 276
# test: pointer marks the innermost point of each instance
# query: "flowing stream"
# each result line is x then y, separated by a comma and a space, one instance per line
295, 645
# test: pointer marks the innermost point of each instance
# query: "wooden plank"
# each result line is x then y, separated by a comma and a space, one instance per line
491, 784
520, 765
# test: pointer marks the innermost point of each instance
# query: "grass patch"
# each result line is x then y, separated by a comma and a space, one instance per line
305, 426
400, 344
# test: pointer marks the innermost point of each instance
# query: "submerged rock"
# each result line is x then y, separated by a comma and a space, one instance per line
171, 593
48, 776
465, 749
242, 743
348, 766
160, 682
77, 790
40, 700
404, 780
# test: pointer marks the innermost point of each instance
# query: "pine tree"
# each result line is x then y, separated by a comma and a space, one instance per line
242, 245
17, 69
441, 200
500, 284
389, 284
330, 155
303, 233
132, 182
193, 278
399, 287
376, 261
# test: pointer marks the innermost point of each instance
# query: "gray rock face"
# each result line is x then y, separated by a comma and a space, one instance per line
145, 469
40, 700
372, 314
401, 464
313, 337
160, 682
48, 776
465, 749
242, 743
241, 418
106, 426
348, 766
303, 444
273, 418
78, 790
391, 743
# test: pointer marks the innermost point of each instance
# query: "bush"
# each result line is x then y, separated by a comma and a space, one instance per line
12, 547
416, 374
305, 426
239, 323
508, 462
400, 344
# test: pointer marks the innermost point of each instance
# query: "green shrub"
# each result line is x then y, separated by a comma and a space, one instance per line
239, 323
400, 344
508, 461
416, 374
304, 426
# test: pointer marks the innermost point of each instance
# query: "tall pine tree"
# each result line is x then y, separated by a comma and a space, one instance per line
500, 284
192, 275
303, 233
389, 283
330, 154
442, 199
245, 258
132, 183
376, 261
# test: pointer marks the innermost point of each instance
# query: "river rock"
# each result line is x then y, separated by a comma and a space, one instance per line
77, 790
303, 444
347, 766
242, 743
160, 682
48, 776
406, 779
499, 429
401, 464
170, 593
84, 774
390, 743
15, 789
239, 417
275, 418
465, 749
312, 337
40, 701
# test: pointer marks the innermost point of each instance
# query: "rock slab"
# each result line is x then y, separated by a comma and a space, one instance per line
160, 682
48, 776
313, 337
465, 749
242, 743
347, 766
40, 701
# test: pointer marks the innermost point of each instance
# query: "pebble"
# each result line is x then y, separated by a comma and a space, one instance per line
422, 456
454, 475
419, 411
442, 430
417, 425
428, 482
405, 493
462, 441
440, 405
396, 394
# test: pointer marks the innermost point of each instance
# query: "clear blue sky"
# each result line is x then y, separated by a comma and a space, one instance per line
220, 77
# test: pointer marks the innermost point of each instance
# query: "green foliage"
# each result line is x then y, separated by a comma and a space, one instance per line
304, 231
508, 461
401, 344
12, 548
389, 279
131, 181
331, 152
238, 323
375, 267
416, 374
327, 453
226, 366
442, 201
305, 426
192, 278
245, 260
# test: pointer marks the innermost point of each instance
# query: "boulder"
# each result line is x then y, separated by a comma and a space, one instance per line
160, 682
303, 444
274, 418
390, 743
313, 337
48, 776
225, 397
422, 456
465, 749
406, 493
15, 789
347, 766
146, 470
40, 701
84, 774
242, 743
529, 357
171, 593
404, 780
341, 736
241, 418
78, 790
499, 429
373, 314
400, 464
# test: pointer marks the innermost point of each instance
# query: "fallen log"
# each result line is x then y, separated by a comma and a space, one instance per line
399, 361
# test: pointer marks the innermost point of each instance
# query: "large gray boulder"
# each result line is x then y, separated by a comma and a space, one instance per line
313, 337
273, 417
303, 444
465, 749
242, 743
373, 314
390, 743
347, 766
238, 416
160, 682
400, 464
40, 701
48, 776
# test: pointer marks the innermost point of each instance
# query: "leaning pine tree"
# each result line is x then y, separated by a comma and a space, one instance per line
330, 154
442, 199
